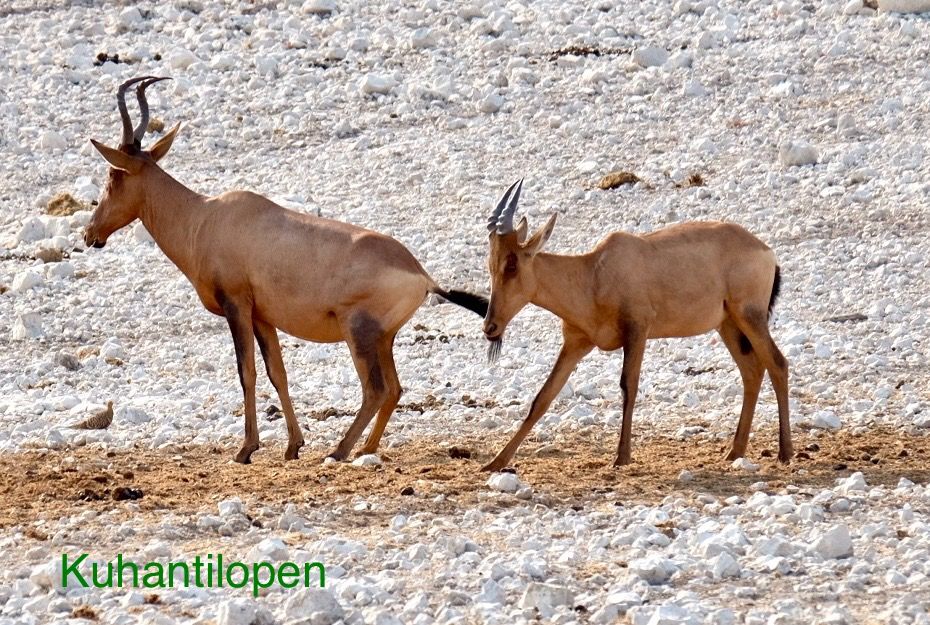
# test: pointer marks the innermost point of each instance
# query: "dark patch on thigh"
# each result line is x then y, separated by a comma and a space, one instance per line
366, 333
756, 317
744, 345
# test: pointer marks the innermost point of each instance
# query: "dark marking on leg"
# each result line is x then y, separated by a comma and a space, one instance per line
744, 345
365, 333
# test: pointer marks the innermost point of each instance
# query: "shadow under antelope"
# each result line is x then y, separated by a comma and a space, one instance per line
265, 268
680, 281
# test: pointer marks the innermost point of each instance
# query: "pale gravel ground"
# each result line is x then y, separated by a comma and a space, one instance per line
425, 165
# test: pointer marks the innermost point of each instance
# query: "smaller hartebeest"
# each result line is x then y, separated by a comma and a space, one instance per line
265, 268
680, 281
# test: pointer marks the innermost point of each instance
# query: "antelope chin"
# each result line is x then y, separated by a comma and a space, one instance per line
494, 349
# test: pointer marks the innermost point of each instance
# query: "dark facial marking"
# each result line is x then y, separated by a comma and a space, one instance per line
510, 268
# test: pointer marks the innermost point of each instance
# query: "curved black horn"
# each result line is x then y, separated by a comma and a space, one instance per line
144, 108
495, 215
506, 221
128, 137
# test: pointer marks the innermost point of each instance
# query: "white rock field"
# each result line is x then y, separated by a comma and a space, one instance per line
806, 122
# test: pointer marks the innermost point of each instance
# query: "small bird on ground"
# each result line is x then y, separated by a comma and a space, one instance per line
100, 420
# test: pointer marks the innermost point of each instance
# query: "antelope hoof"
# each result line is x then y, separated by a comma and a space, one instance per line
244, 455
293, 449
338, 455
784, 457
734, 455
364, 451
622, 461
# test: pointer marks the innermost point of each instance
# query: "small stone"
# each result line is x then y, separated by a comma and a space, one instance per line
669, 614
243, 612
724, 566
129, 17
368, 460
27, 326
33, 229
422, 38
743, 464
49, 254
852, 7
25, 281
546, 596
653, 569
795, 154
825, 420
269, 549
54, 440
694, 88
904, 6
834, 543
315, 605
134, 416
685, 476
181, 59
266, 66
374, 84
229, 507
60, 271
66, 360
650, 56
491, 103
505, 482
52, 140
319, 7
852, 484
705, 41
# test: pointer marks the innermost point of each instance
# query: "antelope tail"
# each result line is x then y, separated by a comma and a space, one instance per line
475, 303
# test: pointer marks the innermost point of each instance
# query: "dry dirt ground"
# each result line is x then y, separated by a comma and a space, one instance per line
575, 472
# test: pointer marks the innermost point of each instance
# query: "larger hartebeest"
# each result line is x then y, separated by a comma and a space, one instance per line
265, 268
680, 281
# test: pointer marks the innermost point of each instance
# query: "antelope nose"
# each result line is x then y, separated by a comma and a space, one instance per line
490, 328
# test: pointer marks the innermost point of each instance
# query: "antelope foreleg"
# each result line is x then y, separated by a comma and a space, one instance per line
573, 350
239, 318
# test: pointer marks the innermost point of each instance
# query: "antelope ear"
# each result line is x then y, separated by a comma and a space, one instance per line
162, 146
539, 238
118, 158
522, 227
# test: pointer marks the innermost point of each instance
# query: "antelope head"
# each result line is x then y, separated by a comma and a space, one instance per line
510, 263
124, 196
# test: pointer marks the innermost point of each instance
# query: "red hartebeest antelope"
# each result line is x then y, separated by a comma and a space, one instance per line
680, 281
265, 268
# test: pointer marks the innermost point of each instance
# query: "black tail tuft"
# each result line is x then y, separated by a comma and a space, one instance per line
475, 303
776, 287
